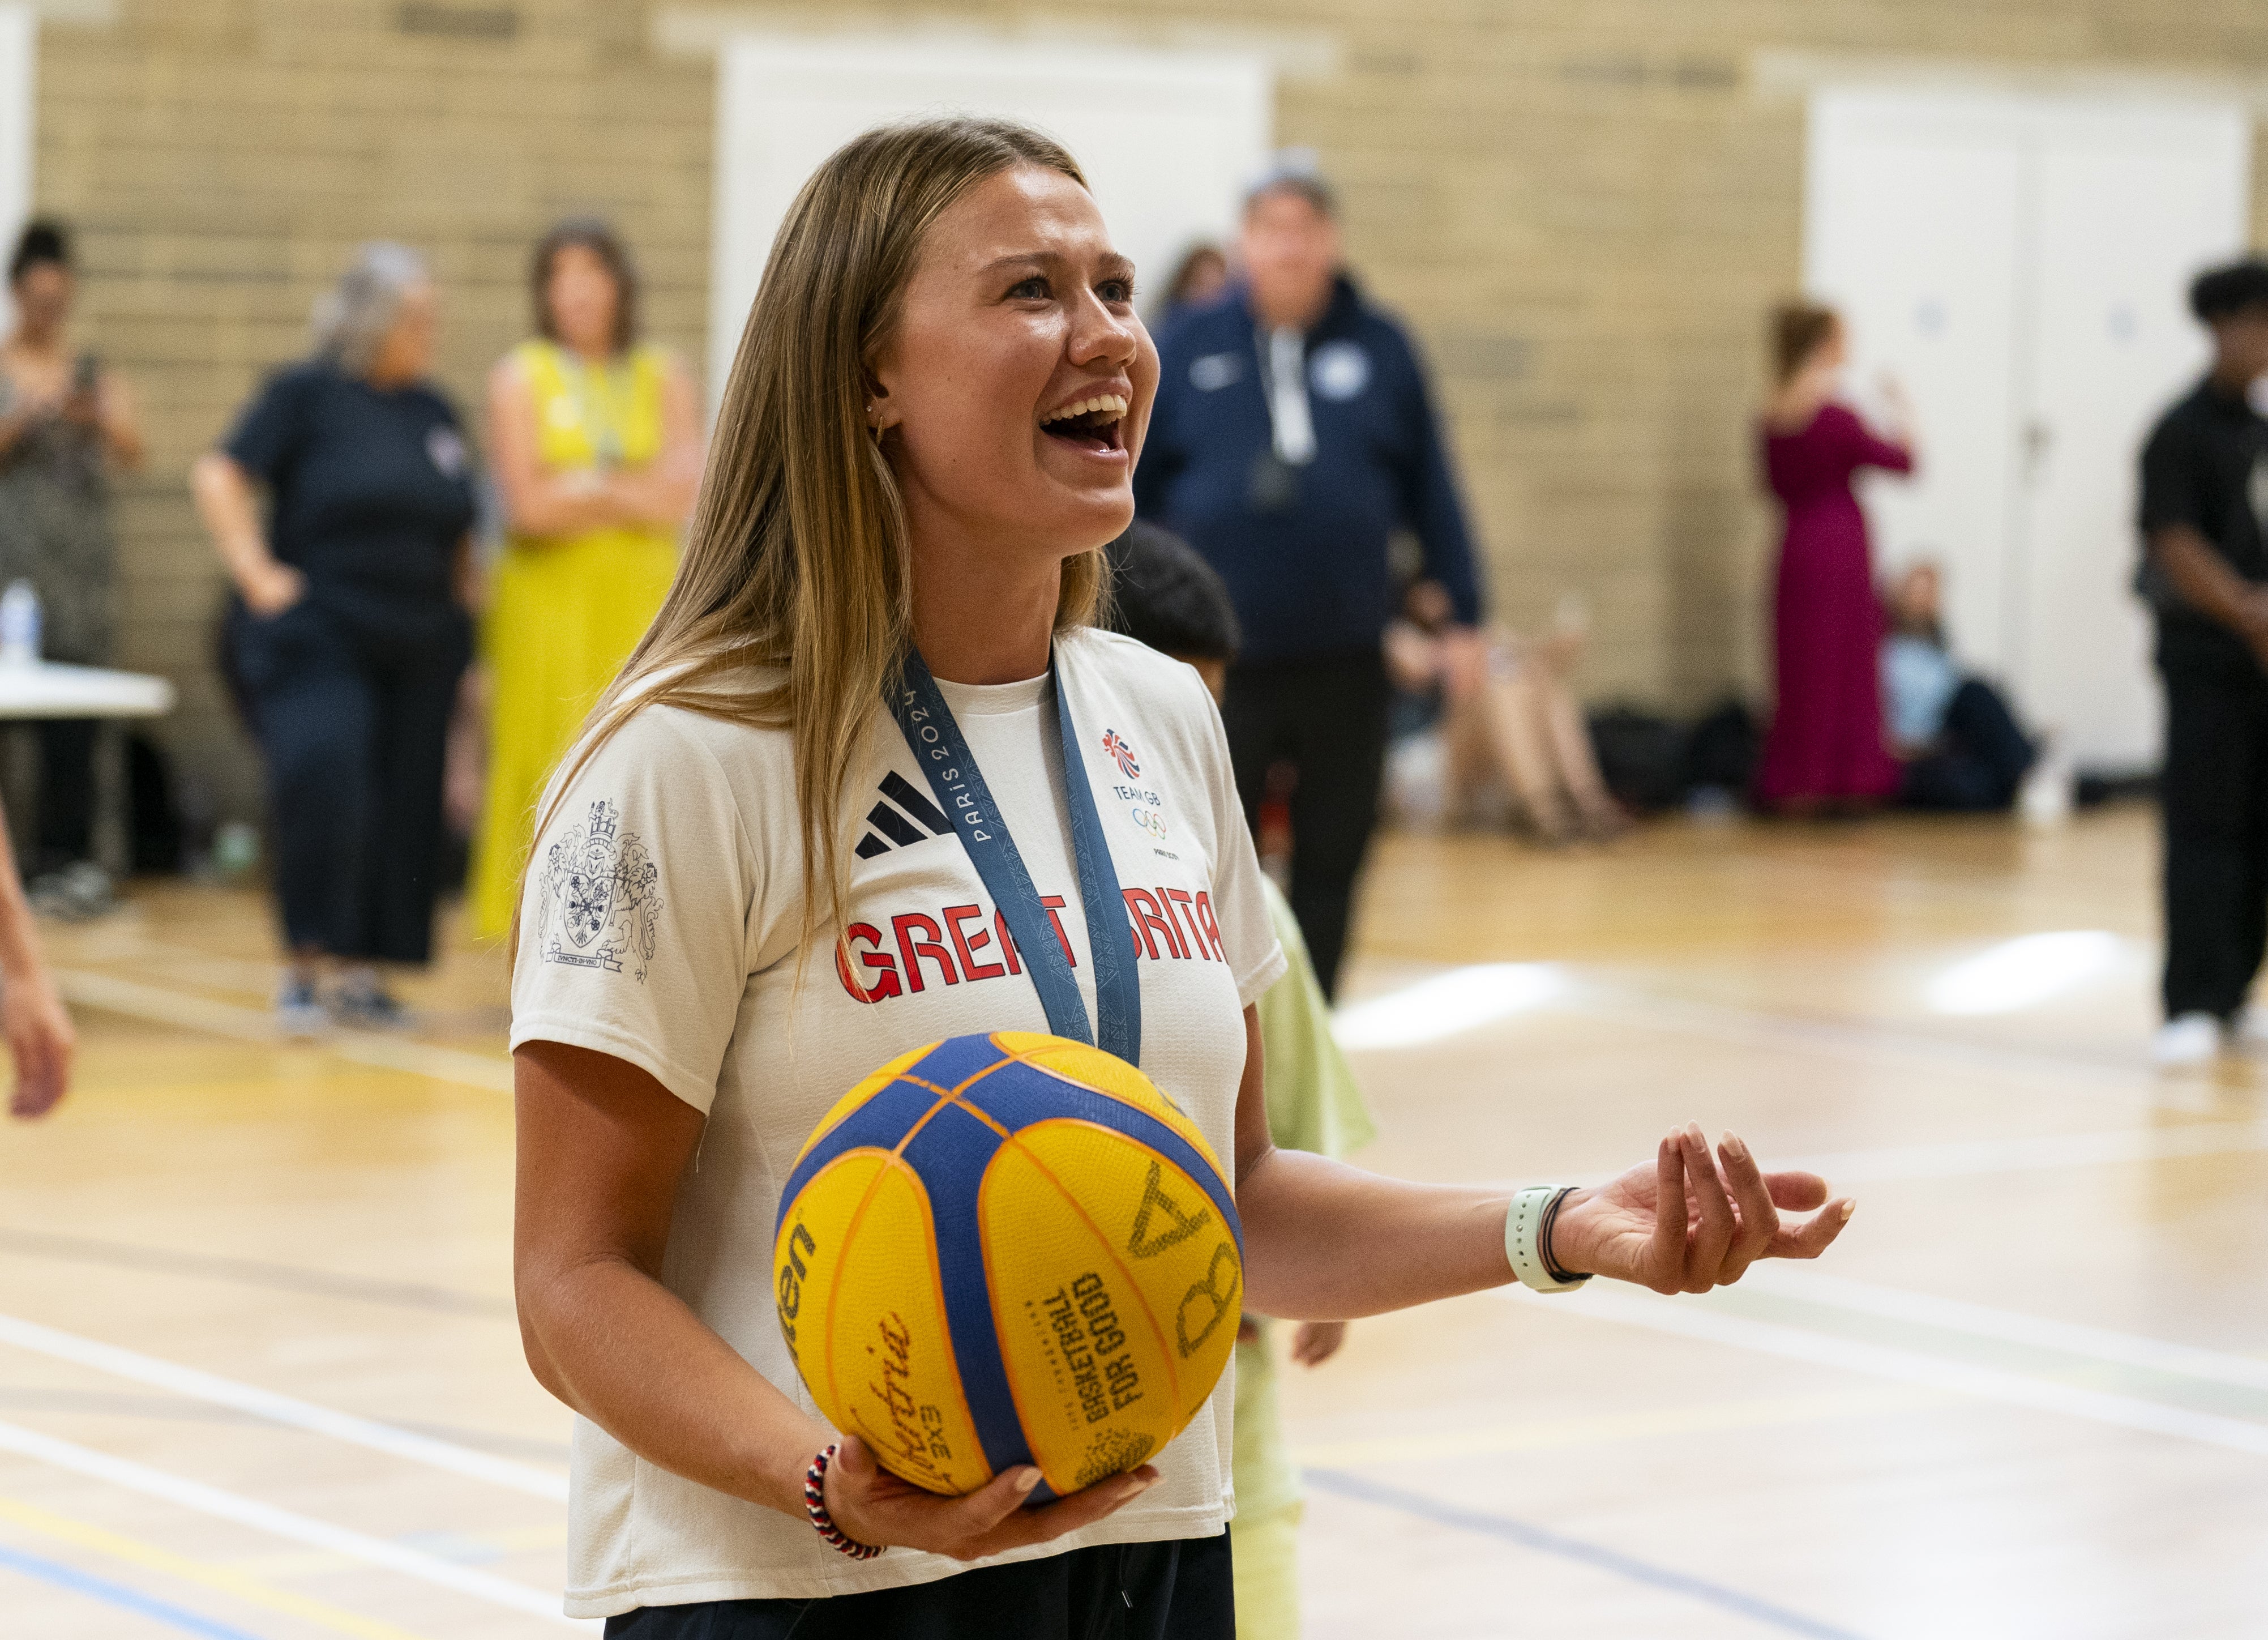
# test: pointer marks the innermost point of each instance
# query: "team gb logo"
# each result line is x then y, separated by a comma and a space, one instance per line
1121, 754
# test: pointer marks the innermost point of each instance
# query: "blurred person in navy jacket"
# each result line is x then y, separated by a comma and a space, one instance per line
1293, 435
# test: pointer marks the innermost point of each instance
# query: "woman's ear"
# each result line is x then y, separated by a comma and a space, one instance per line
881, 410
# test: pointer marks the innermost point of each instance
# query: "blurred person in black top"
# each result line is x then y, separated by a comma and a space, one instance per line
1293, 436
349, 629
2205, 523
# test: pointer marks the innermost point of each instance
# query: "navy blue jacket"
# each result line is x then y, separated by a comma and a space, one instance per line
1310, 577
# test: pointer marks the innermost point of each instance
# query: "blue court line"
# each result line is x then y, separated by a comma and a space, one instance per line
1509, 1531
118, 1594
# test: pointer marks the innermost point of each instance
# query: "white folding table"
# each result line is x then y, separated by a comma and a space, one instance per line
45, 689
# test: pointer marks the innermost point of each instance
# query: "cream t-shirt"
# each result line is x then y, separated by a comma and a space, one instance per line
659, 925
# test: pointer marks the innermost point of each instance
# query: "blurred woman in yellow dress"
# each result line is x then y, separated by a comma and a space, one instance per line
597, 445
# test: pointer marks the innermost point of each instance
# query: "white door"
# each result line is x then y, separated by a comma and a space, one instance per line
1908, 234
2021, 265
2128, 210
1165, 138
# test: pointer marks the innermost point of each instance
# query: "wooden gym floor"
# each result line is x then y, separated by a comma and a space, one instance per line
259, 1374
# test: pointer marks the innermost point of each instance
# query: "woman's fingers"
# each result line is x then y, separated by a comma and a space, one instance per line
981, 1511
872, 1505
1317, 1341
847, 1491
1759, 1219
1665, 1257
1714, 1238
59, 1045
1797, 1193
1810, 1239
1052, 1520
42, 1066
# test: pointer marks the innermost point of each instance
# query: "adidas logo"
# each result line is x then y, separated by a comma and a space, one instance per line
894, 829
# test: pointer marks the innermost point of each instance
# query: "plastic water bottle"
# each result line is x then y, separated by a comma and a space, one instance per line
19, 624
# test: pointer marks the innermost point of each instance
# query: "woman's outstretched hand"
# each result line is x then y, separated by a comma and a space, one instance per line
872, 1505
1691, 1220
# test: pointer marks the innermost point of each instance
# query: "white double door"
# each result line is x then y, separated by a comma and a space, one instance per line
2021, 265
1167, 138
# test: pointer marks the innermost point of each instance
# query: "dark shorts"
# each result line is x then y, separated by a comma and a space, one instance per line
1177, 1591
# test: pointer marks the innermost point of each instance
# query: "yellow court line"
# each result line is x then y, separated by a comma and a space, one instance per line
1542, 1434
85, 1535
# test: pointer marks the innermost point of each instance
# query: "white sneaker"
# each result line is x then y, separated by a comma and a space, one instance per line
2248, 1032
2189, 1042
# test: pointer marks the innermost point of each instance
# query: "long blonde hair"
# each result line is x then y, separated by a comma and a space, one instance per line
797, 559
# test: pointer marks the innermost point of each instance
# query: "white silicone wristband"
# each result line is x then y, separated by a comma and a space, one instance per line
1523, 1230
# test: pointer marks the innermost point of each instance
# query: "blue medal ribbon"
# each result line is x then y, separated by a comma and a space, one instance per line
938, 747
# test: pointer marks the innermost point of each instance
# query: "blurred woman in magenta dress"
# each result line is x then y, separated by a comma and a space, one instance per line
1825, 749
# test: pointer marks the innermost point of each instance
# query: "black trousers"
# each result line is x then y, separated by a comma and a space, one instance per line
2214, 797
1178, 1590
1983, 759
1327, 717
353, 722
64, 829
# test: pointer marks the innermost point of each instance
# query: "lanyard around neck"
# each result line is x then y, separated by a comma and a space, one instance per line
943, 753
1292, 424
595, 401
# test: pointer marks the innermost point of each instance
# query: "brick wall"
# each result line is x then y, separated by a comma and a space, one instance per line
1584, 208
222, 158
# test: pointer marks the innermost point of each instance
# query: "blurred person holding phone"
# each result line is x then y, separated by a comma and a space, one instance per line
1294, 434
350, 631
2204, 571
65, 424
598, 453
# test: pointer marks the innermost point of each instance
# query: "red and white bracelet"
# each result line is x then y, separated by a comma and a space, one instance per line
814, 1505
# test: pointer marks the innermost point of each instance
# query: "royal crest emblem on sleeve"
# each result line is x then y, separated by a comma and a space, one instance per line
600, 898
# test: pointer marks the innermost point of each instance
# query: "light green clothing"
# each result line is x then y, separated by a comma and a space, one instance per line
1314, 1104
1264, 1557
1313, 1101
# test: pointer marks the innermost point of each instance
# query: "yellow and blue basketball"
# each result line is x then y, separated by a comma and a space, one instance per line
1008, 1249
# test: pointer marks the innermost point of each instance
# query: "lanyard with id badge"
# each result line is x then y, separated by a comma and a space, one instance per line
1273, 485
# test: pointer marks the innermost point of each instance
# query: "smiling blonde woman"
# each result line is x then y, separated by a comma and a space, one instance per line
927, 439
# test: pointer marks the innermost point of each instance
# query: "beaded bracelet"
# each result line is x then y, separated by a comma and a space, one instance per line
814, 1505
